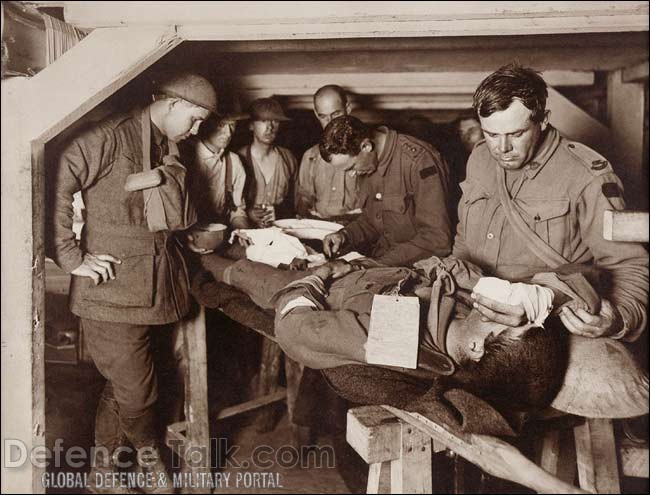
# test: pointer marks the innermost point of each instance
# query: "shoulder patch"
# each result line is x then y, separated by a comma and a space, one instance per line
589, 158
428, 172
611, 190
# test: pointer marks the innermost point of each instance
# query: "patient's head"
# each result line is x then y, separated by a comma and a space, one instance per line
521, 368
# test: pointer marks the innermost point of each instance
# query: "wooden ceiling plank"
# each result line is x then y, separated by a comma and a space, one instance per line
65, 91
636, 73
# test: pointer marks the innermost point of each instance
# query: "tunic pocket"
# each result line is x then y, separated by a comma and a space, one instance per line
549, 218
473, 211
397, 221
133, 285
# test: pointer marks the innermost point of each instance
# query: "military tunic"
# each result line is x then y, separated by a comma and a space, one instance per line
561, 194
326, 190
150, 285
404, 216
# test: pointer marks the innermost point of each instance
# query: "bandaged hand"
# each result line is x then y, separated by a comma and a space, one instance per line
512, 304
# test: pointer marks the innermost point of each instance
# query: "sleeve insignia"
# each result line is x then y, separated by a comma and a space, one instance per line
611, 190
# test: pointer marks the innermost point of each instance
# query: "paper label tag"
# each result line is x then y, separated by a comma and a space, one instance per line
393, 337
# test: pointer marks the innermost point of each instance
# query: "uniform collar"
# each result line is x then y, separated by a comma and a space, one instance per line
203, 151
544, 153
387, 152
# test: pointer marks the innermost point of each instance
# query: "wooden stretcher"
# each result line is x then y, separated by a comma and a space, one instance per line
398, 446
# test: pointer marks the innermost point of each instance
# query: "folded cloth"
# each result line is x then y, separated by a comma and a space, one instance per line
273, 247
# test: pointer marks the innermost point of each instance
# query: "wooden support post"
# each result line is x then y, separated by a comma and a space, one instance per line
197, 452
374, 433
268, 382
558, 454
634, 459
411, 473
625, 108
596, 456
300, 435
379, 478
381, 439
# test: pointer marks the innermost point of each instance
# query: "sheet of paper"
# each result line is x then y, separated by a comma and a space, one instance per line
352, 255
394, 331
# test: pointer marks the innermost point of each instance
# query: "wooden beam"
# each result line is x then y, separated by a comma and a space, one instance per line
227, 20
411, 472
22, 316
636, 73
276, 396
65, 91
634, 459
591, 43
596, 456
494, 456
390, 82
196, 390
379, 478
625, 226
374, 433
625, 108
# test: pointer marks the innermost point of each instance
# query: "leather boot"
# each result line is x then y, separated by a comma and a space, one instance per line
141, 431
108, 437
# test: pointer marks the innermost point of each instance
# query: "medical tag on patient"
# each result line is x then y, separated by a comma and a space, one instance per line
393, 336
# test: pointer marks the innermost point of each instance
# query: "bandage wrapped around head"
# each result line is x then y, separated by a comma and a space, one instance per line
536, 300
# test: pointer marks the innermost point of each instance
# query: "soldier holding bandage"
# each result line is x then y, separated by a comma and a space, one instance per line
534, 200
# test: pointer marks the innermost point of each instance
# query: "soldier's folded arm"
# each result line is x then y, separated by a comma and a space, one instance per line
627, 262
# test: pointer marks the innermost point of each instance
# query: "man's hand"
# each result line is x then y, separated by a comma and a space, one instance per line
189, 242
332, 243
261, 217
99, 267
498, 312
340, 268
580, 322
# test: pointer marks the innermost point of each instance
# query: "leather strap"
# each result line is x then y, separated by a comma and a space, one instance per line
530, 238
145, 122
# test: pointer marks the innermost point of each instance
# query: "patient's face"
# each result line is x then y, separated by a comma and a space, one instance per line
466, 337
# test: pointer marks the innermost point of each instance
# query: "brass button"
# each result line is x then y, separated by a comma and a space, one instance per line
490, 235
334, 188
378, 196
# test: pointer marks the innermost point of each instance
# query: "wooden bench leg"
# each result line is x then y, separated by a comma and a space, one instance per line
379, 478
382, 440
196, 396
596, 456
300, 435
268, 383
411, 473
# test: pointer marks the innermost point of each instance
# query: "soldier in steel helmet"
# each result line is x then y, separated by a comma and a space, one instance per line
128, 277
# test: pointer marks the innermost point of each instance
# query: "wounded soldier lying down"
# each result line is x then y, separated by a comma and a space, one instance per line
322, 320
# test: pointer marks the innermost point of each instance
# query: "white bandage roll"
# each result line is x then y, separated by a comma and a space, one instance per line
536, 300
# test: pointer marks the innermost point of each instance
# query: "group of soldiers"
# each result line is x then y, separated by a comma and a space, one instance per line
532, 202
